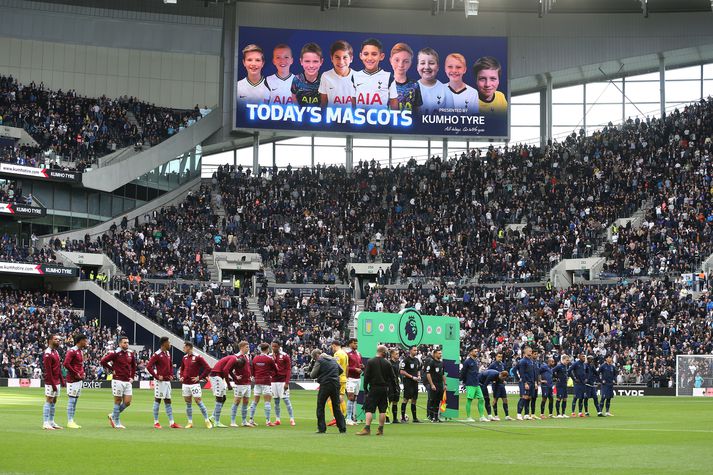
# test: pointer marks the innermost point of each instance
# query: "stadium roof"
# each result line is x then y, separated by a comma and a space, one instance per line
210, 8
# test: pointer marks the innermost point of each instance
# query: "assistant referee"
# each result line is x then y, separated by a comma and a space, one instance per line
378, 377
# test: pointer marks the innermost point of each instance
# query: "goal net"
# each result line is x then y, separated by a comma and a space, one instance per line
694, 375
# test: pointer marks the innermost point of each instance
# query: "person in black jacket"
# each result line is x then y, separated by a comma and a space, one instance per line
378, 377
326, 371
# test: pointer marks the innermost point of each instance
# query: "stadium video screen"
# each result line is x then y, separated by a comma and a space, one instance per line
327, 81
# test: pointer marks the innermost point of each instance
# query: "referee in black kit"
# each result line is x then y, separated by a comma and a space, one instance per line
378, 377
435, 383
411, 374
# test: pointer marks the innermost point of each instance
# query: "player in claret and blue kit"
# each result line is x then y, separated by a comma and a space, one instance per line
122, 363
281, 382
194, 368
53, 382
74, 364
264, 370
161, 368
225, 369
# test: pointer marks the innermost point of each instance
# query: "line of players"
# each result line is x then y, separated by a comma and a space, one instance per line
270, 375
551, 378
267, 375
371, 87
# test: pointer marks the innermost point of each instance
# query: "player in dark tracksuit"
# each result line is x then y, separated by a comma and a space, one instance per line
607, 375
546, 386
579, 376
591, 387
490, 376
536, 366
560, 376
499, 393
526, 370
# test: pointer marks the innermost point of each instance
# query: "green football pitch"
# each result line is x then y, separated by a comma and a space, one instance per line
646, 435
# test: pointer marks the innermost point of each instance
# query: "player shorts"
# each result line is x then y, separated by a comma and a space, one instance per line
192, 390
394, 393
353, 385
410, 390
218, 386
377, 398
546, 391
607, 391
74, 389
499, 391
162, 389
530, 392
279, 391
241, 390
474, 392
342, 388
561, 392
579, 391
50, 393
121, 388
263, 390
591, 392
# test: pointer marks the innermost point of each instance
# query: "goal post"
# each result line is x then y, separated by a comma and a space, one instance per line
694, 375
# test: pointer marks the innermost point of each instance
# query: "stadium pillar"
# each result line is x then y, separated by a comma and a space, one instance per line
429, 148
312, 153
256, 153
350, 153
274, 152
662, 84
391, 155
546, 112
235, 157
444, 155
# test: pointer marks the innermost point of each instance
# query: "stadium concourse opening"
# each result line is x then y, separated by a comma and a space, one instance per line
494, 216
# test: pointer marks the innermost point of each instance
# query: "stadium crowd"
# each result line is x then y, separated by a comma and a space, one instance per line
168, 243
26, 319
455, 217
79, 129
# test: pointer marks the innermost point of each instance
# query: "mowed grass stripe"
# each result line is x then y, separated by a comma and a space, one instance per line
663, 435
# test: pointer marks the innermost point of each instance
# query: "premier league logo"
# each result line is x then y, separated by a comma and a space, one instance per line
410, 328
